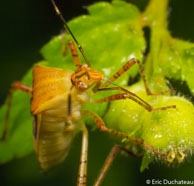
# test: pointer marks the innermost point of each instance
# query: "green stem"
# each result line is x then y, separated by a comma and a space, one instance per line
155, 14
155, 17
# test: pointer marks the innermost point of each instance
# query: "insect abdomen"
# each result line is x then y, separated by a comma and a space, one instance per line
54, 140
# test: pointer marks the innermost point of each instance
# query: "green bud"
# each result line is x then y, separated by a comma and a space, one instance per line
170, 131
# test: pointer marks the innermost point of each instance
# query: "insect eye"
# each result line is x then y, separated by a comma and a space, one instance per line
81, 85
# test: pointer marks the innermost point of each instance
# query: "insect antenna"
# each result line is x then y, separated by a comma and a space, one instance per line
68, 29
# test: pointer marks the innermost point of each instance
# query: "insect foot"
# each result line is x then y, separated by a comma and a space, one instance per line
175, 154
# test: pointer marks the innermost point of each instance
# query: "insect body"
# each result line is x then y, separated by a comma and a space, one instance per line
56, 105
57, 102
53, 133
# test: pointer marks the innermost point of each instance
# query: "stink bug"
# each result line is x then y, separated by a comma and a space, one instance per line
57, 101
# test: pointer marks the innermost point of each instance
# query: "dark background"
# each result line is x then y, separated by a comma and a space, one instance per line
26, 25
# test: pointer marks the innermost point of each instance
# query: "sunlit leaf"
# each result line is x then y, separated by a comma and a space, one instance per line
110, 35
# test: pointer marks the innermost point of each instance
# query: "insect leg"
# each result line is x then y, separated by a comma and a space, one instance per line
14, 86
69, 106
132, 96
110, 158
74, 53
125, 68
83, 159
64, 47
108, 162
101, 125
69, 114
70, 32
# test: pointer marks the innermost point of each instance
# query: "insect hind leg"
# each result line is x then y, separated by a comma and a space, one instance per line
83, 159
101, 125
116, 149
108, 162
14, 86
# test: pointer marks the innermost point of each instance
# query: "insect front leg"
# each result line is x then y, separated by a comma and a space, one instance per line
82, 176
14, 86
74, 54
73, 51
125, 68
128, 95
70, 32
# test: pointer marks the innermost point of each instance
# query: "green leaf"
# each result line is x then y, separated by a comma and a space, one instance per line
176, 61
170, 57
147, 159
110, 35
